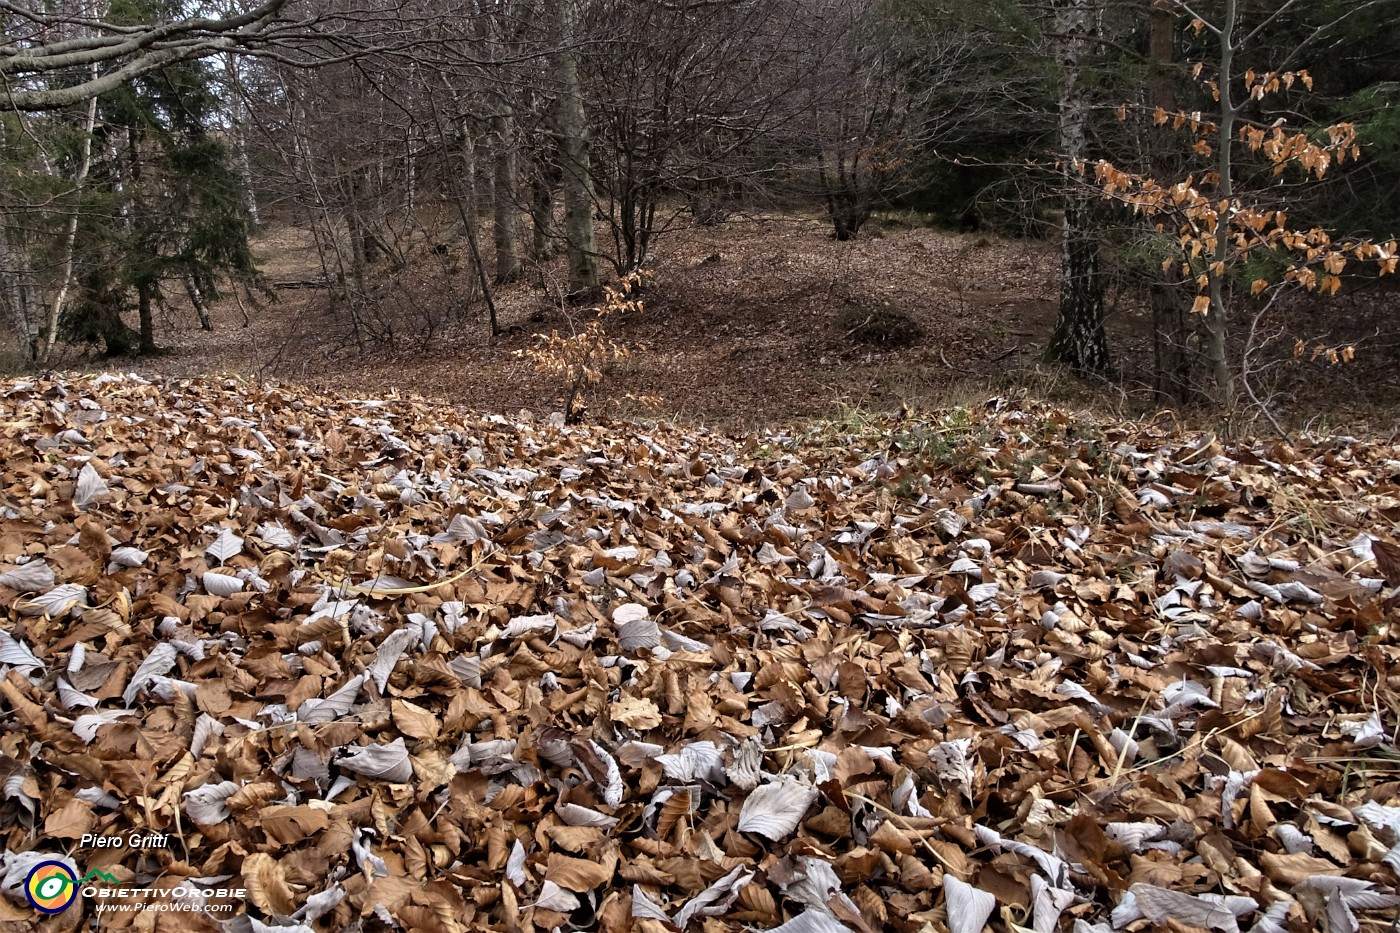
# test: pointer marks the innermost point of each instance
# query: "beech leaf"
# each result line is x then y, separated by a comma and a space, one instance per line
89, 488
379, 762
206, 804
29, 577
225, 547
968, 907
775, 809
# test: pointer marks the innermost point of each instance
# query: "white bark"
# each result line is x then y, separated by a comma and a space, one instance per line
71, 238
1079, 338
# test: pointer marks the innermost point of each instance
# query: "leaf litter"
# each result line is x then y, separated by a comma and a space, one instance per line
405, 669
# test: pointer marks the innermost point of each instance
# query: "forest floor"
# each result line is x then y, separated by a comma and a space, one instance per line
759, 321
385, 665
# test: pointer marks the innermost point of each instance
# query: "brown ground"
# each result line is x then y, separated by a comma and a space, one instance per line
748, 323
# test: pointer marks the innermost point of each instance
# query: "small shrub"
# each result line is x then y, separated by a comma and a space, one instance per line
579, 357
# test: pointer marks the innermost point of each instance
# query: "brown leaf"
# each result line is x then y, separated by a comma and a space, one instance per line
576, 874
1387, 557
641, 714
1288, 869
415, 721
72, 821
290, 825
267, 885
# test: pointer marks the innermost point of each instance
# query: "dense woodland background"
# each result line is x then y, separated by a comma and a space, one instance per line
397, 178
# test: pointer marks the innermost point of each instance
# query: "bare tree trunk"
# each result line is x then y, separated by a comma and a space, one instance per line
201, 307
541, 219
71, 238
325, 232
355, 231
144, 294
1171, 326
239, 113
1217, 351
466, 209
573, 147
410, 171
1079, 340
471, 217
507, 217
14, 269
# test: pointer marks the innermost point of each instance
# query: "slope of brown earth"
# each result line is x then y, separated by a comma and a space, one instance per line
757, 322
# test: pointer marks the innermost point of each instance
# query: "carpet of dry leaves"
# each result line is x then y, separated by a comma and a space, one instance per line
392, 667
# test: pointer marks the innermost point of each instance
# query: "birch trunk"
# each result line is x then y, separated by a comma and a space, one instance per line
71, 237
238, 117
1079, 340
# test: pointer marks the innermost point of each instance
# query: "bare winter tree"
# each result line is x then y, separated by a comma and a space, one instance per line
679, 97
889, 84
58, 55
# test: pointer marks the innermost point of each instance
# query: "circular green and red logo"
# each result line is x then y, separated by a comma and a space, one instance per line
51, 886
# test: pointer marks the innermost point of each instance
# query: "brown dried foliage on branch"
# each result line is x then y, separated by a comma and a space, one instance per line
389, 667
581, 356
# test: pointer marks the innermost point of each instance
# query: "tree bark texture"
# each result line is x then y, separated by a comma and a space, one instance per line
506, 232
580, 240
1079, 340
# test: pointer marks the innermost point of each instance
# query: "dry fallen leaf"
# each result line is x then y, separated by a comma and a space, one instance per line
775, 809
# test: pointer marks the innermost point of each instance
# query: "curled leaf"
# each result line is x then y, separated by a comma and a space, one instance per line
968, 907
378, 762
775, 809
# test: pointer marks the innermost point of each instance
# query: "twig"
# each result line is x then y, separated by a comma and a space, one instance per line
1250, 346
908, 828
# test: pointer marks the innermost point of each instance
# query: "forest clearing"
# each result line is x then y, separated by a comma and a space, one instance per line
762, 320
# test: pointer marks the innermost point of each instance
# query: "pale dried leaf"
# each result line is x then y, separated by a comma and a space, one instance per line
553, 897
225, 547
56, 602
775, 809
17, 655
378, 762
29, 577
206, 804
390, 650
968, 907
1208, 911
716, 899
157, 664
812, 920
221, 585
89, 488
